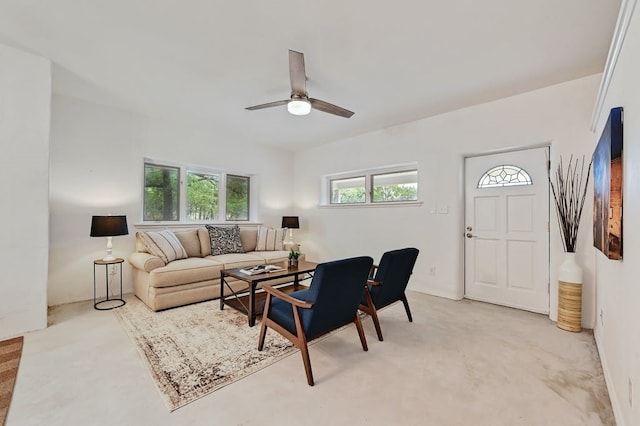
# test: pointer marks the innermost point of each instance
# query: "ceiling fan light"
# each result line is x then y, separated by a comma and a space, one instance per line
299, 107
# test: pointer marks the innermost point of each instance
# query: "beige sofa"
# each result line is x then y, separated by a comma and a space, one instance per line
162, 285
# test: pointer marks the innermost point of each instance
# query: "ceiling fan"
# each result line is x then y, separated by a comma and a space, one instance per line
300, 102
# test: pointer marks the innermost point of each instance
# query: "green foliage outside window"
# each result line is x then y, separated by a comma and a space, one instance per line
202, 196
237, 197
348, 195
384, 193
161, 191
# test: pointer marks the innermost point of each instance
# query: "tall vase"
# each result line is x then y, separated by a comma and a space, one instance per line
570, 294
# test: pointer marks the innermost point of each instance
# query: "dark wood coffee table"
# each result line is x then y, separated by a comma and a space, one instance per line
246, 303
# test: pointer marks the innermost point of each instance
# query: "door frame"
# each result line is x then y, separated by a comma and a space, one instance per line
463, 198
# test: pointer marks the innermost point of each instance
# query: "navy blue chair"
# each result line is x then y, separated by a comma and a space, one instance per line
330, 302
388, 282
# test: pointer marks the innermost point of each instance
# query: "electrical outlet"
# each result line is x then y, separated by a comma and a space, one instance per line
432, 270
630, 393
112, 269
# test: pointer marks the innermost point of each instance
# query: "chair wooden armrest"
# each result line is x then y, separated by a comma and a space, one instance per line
372, 271
284, 296
372, 282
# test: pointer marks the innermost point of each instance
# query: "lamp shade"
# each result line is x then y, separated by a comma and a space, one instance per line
108, 226
290, 222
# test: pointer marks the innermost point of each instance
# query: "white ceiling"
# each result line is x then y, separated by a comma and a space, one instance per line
203, 61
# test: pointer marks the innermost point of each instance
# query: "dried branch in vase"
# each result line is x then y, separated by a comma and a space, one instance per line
569, 192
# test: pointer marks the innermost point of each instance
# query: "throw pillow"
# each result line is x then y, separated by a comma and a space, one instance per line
163, 244
270, 239
225, 239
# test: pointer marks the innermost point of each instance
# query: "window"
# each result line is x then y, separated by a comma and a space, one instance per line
161, 192
395, 184
348, 191
194, 194
237, 197
202, 196
398, 186
505, 175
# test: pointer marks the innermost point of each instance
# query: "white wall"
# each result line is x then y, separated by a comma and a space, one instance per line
557, 115
618, 283
97, 168
25, 87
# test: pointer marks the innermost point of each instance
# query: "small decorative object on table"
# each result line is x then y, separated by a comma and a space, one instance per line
293, 258
569, 192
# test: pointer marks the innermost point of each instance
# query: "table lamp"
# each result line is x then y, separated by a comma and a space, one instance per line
109, 226
291, 223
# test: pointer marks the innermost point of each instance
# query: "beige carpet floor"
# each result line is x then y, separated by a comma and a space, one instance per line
10, 351
197, 349
459, 363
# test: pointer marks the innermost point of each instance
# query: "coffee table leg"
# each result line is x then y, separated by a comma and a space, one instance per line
221, 291
252, 304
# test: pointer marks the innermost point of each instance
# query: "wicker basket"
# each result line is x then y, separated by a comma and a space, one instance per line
570, 306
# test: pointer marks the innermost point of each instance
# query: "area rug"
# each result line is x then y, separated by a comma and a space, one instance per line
194, 350
10, 352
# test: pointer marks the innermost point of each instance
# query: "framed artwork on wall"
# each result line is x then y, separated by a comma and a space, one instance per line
607, 187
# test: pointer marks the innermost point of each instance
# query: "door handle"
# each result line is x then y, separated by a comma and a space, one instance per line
470, 235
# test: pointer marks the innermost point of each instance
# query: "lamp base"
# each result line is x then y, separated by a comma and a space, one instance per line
288, 243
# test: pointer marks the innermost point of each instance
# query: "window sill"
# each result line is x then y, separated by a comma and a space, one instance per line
190, 225
372, 205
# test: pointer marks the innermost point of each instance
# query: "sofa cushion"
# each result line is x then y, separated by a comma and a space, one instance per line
190, 241
185, 271
225, 239
270, 239
205, 241
163, 244
275, 256
249, 238
237, 260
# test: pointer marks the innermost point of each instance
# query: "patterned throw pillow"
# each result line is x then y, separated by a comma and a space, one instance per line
163, 244
225, 239
270, 239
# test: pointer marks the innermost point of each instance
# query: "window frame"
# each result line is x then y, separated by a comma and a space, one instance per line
184, 169
368, 174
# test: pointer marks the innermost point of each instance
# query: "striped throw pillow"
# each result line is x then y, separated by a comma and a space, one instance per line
163, 244
270, 239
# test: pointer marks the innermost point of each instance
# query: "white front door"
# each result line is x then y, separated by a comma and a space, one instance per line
507, 229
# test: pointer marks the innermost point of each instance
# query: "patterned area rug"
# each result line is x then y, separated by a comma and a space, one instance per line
194, 350
10, 352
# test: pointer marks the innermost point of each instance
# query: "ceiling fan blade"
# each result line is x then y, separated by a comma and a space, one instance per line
297, 73
269, 105
330, 108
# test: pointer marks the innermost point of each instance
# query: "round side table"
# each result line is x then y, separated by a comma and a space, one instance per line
102, 305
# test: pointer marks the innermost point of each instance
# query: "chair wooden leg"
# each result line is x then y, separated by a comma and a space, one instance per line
363, 339
304, 350
301, 342
263, 326
371, 310
406, 307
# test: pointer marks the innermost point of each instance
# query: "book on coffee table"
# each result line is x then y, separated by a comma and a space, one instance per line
261, 269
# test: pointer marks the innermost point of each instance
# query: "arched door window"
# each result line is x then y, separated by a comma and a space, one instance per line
505, 175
